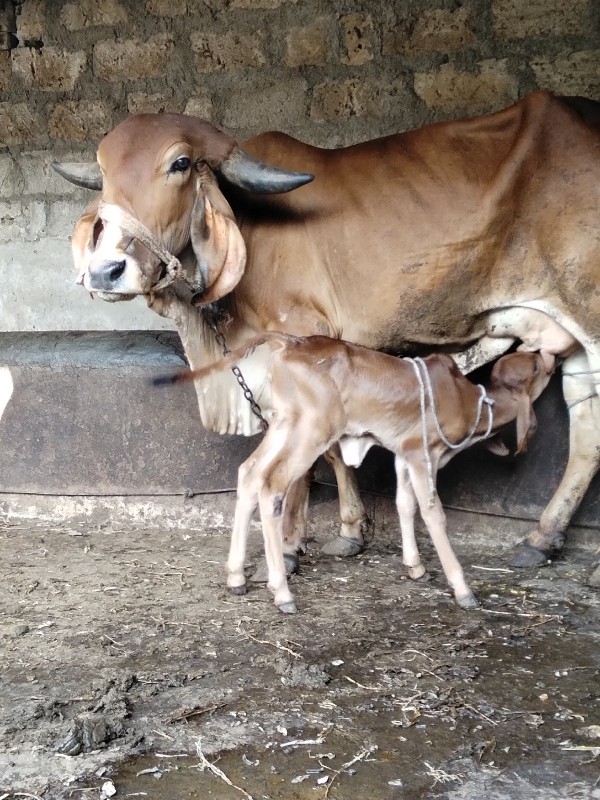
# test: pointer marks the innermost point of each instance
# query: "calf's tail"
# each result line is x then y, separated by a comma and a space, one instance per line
228, 361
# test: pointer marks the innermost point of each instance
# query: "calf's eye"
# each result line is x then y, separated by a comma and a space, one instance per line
181, 164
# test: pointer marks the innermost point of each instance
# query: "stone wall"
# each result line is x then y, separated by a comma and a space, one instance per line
330, 72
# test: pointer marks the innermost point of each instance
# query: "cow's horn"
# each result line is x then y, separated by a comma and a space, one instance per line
87, 175
249, 173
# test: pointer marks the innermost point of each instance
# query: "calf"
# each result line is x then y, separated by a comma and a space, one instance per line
327, 391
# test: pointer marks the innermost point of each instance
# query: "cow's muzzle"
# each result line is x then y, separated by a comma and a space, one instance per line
111, 271
105, 277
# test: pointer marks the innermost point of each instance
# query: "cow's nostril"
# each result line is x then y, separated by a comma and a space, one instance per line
115, 270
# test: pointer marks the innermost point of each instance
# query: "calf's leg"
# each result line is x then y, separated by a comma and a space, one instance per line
247, 501
406, 505
435, 520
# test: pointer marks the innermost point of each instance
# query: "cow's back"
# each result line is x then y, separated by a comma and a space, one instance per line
409, 238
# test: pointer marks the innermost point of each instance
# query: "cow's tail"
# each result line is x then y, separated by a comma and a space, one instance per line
228, 361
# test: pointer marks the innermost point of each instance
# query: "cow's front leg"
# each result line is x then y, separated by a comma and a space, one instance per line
584, 457
350, 540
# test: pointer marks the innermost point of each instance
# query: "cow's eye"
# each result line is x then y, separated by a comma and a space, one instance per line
181, 164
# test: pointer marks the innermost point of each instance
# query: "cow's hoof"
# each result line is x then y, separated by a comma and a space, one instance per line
468, 602
238, 589
343, 547
261, 574
289, 608
594, 579
526, 555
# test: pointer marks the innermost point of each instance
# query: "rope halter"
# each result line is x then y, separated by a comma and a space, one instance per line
174, 270
425, 387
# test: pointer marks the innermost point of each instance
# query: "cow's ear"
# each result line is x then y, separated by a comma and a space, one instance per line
218, 245
526, 421
82, 238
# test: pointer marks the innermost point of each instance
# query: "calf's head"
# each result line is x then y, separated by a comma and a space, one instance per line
524, 376
161, 169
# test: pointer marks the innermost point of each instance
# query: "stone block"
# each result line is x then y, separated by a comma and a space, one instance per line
200, 105
50, 69
90, 13
61, 216
21, 221
358, 39
5, 70
12, 181
31, 21
40, 179
134, 59
450, 90
19, 125
142, 103
517, 19
225, 51
435, 30
80, 121
573, 74
276, 107
167, 8
357, 98
262, 5
308, 45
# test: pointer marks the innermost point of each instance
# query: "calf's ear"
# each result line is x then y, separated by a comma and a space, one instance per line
526, 422
218, 245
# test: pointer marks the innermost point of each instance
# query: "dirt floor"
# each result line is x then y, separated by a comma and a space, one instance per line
128, 670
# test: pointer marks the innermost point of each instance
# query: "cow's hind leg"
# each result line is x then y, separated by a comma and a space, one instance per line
580, 392
350, 540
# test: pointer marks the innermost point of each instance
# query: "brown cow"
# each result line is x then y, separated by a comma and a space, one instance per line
406, 243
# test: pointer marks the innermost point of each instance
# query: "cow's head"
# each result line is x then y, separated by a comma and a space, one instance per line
160, 169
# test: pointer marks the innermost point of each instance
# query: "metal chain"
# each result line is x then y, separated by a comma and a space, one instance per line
220, 339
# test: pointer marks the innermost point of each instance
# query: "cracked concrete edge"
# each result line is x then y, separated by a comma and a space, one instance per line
171, 512
494, 535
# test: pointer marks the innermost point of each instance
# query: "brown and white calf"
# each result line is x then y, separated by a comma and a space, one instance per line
327, 391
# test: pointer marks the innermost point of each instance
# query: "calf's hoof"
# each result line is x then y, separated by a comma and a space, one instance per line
416, 573
288, 608
526, 555
261, 573
343, 547
238, 589
468, 602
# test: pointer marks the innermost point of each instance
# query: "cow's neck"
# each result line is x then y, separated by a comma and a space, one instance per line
223, 407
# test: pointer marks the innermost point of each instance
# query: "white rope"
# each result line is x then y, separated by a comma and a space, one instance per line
419, 365
113, 213
483, 398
